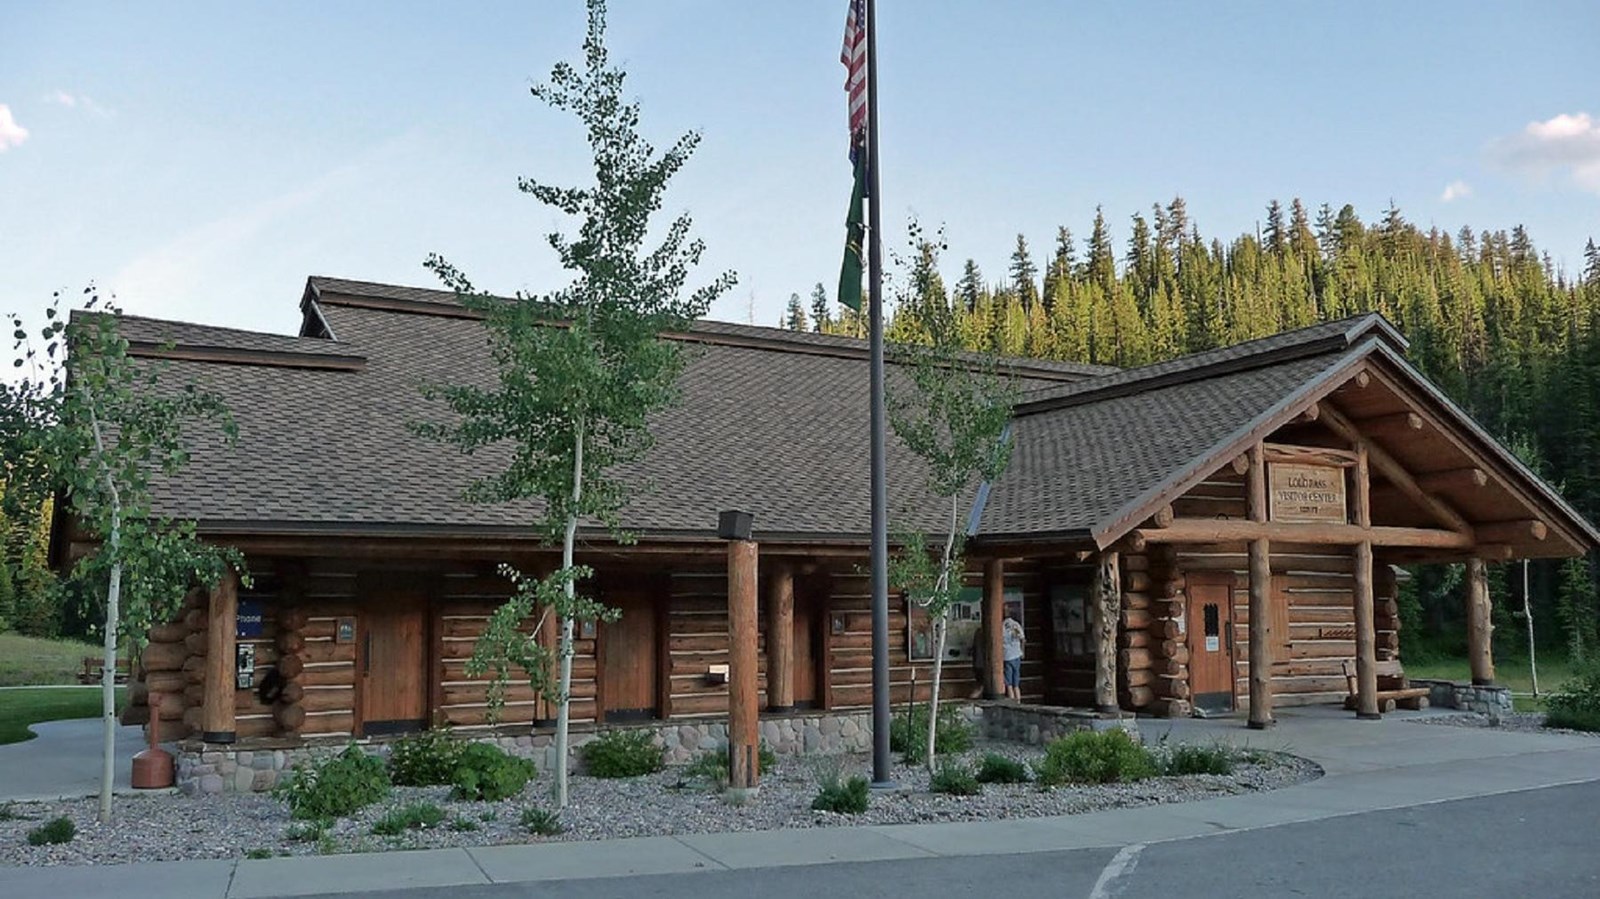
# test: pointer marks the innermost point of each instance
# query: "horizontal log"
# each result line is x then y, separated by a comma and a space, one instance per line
1136, 658
1322, 649
1172, 687
1190, 531
291, 641
291, 666
1512, 531
336, 675
1192, 508
1455, 479
1171, 587
256, 727
1135, 619
1166, 628
164, 656
1133, 600
1138, 677
1136, 581
1133, 639
1308, 455
329, 699
172, 632
1170, 667
1139, 697
336, 723
1399, 423
196, 643
329, 651
292, 692
1135, 562
1171, 708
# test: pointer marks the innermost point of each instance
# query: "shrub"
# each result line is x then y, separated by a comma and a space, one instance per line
56, 830
1095, 757
334, 786
542, 822
259, 853
844, 797
1187, 758
487, 772
957, 780
622, 753
462, 825
1577, 704
712, 765
997, 769
306, 831
425, 760
416, 816
908, 732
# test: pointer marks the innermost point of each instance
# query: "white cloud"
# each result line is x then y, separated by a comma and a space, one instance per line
71, 100
1456, 190
11, 134
1567, 144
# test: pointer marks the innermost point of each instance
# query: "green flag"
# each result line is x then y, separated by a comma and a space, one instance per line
854, 240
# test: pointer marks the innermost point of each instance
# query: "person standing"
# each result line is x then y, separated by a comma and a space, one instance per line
1011, 633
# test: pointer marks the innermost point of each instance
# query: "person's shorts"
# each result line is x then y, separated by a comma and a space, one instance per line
1013, 672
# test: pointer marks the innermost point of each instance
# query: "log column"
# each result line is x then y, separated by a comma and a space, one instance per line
1366, 631
780, 639
1260, 599
743, 668
1479, 629
1108, 609
994, 613
217, 716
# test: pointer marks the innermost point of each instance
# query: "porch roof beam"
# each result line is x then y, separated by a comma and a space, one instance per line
1396, 473
1204, 530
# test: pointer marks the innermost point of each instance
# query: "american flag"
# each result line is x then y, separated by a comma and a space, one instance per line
854, 57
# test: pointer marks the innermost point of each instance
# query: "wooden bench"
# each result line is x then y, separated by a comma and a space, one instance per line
1394, 689
94, 666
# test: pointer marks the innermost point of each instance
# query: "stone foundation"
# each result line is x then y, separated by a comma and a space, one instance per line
1039, 724
211, 768
1493, 701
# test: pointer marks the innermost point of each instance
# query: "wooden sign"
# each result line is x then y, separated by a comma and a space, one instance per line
1306, 493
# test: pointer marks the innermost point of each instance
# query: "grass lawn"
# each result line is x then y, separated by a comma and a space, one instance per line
20, 708
31, 661
1553, 672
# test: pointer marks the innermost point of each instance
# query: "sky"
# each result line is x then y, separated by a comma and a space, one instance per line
200, 160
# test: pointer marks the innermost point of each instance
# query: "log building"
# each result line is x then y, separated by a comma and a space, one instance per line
1215, 531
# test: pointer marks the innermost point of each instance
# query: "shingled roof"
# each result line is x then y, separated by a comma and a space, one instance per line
771, 422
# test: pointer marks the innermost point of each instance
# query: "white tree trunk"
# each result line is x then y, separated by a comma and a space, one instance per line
939, 620
564, 708
108, 691
1527, 613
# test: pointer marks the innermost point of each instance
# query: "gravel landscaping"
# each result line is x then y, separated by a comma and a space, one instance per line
172, 827
1528, 722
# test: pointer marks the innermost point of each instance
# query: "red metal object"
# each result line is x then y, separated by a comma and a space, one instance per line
153, 768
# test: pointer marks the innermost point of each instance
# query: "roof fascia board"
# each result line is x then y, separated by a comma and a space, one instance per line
237, 356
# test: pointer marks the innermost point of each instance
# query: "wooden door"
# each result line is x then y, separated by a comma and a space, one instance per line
805, 653
1210, 633
629, 657
393, 660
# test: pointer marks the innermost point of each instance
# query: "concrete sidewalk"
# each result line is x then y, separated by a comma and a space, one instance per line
63, 761
1371, 766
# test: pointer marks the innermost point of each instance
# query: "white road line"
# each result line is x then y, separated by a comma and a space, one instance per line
1120, 865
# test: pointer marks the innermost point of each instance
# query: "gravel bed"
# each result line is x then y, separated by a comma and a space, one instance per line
1527, 722
173, 827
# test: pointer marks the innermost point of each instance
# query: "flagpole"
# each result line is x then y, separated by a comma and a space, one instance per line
881, 762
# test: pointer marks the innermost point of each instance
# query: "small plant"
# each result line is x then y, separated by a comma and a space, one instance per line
849, 797
908, 732
956, 780
1577, 704
306, 831
426, 759
56, 830
712, 765
8, 812
542, 822
462, 825
416, 816
997, 769
1186, 758
334, 786
259, 853
488, 773
1095, 757
622, 753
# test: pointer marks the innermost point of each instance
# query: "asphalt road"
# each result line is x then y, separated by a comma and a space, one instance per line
1538, 843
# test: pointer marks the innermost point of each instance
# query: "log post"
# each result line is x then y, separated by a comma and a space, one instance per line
1260, 599
1366, 630
1479, 629
217, 715
994, 613
1108, 602
780, 639
743, 671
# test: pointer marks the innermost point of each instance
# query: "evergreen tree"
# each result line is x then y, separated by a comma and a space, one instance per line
970, 287
1023, 272
821, 309
795, 318
1275, 240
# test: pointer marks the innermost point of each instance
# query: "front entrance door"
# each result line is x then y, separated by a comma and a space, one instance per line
1210, 632
393, 660
629, 662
